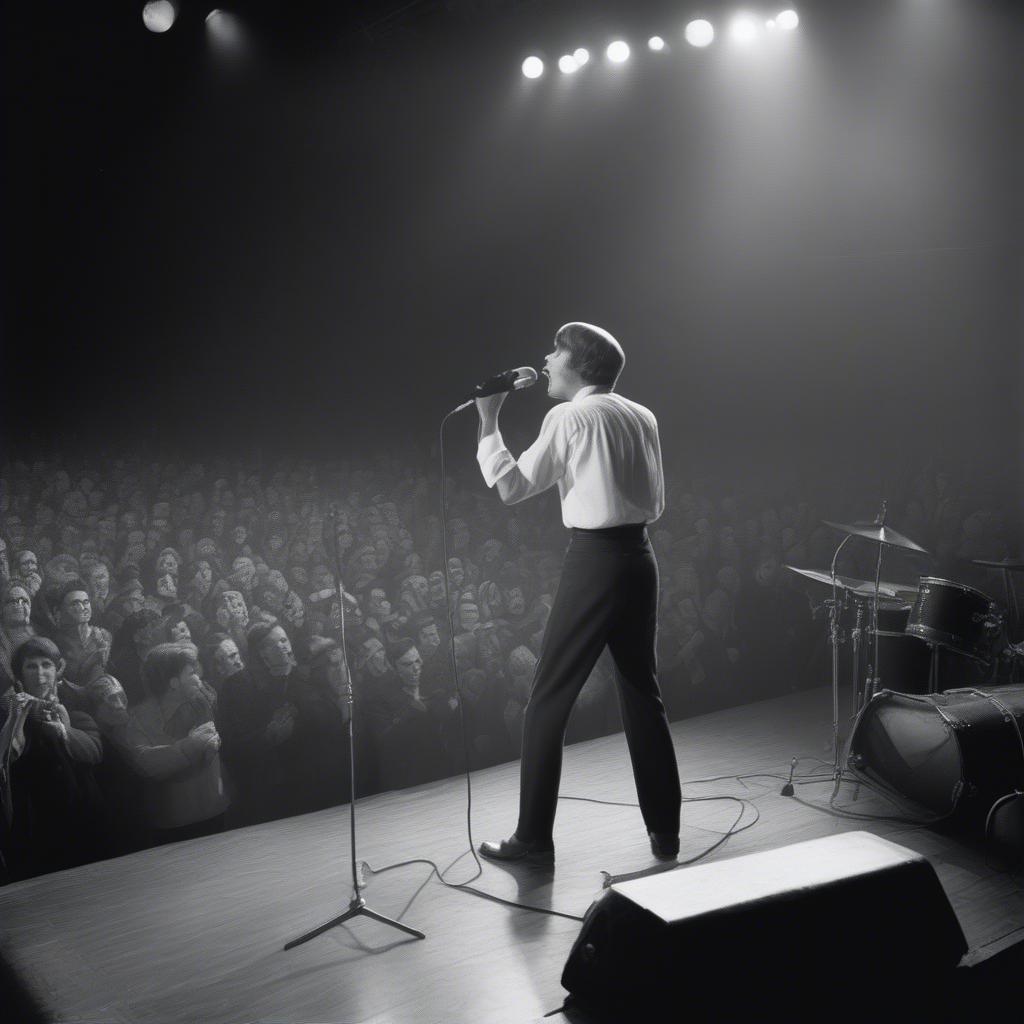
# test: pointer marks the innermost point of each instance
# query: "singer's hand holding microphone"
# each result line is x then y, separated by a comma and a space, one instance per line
490, 394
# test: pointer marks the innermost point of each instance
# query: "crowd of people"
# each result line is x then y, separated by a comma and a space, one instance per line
178, 654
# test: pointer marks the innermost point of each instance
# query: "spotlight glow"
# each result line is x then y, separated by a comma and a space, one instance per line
770, 25
533, 67
656, 43
700, 33
224, 31
618, 52
743, 28
567, 64
158, 15
581, 56
787, 19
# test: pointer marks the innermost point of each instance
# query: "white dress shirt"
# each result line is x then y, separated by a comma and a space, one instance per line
603, 452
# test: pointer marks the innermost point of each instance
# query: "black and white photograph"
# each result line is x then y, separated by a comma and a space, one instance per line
512, 511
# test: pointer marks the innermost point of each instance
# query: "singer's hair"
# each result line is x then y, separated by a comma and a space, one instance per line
165, 662
593, 353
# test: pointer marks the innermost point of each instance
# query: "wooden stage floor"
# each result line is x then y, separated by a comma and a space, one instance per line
194, 932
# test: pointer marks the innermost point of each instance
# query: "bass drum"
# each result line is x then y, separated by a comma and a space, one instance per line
954, 753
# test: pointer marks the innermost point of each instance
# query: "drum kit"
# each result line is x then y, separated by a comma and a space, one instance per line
897, 632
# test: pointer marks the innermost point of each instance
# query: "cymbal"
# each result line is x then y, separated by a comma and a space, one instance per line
1010, 564
883, 534
863, 588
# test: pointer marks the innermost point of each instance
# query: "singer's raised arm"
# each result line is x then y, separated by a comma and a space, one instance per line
541, 466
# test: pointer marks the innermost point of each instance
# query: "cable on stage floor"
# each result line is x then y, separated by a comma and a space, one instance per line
734, 829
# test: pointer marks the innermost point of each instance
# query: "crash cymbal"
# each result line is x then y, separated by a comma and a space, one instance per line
1009, 564
862, 588
882, 534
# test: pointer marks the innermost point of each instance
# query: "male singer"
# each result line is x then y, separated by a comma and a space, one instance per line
602, 451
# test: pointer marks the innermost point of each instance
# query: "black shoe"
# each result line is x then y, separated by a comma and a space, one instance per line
664, 847
515, 849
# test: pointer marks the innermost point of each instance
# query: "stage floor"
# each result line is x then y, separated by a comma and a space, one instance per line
194, 932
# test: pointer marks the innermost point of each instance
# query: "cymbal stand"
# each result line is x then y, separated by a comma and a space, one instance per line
872, 681
357, 906
833, 621
858, 631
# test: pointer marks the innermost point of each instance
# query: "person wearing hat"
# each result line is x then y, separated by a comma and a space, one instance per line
603, 453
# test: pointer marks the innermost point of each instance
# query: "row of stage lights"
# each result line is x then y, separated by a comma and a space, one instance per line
160, 16
743, 29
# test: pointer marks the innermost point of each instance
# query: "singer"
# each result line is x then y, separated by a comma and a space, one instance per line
602, 451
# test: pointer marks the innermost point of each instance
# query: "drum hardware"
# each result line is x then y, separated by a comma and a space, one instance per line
1004, 824
882, 535
1005, 567
855, 674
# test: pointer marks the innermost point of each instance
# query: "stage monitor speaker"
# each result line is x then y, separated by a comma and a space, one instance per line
839, 916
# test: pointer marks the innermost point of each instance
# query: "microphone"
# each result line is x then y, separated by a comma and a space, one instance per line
511, 380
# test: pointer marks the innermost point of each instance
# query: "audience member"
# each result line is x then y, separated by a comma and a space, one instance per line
236, 561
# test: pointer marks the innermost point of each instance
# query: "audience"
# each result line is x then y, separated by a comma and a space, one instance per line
107, 707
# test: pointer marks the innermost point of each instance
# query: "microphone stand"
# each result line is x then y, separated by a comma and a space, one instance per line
357, 906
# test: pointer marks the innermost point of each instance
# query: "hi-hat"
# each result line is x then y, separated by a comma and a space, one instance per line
1009, 564
862, 588
877, 532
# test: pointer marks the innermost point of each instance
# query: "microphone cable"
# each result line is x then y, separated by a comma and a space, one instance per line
734, 829
465, 886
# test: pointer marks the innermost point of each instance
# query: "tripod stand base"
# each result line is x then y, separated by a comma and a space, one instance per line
357, 908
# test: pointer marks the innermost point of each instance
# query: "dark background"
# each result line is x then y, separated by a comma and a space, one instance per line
811, 250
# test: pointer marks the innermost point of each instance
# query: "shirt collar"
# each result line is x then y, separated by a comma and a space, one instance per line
590, 389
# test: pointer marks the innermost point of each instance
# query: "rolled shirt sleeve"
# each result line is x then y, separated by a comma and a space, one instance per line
541, 466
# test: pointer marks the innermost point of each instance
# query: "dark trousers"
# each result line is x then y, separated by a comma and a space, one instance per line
608, 594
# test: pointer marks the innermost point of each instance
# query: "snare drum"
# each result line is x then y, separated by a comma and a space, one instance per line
956, 616
903, 661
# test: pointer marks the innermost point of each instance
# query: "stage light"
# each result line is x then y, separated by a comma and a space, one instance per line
770, 25
158, 15
742, 29
567, 64
581, 56
618, 52
787, 19
533, 67
656, 43
226, 35
700, 33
